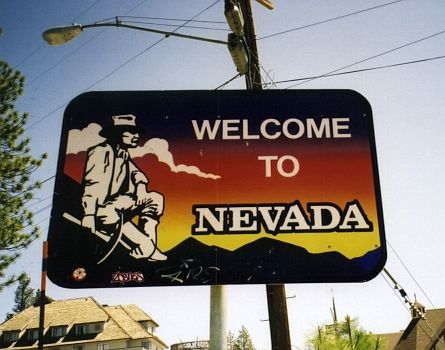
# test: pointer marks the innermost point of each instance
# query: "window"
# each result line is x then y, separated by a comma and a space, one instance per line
58, 331
146, 345
102, 346
98, 327
33, 334
89, 328
148, 326
82, 329
11, 336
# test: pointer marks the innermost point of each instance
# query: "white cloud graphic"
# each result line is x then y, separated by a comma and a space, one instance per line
160, 148
82, 140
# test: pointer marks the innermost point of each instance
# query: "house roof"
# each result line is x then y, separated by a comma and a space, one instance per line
120, 322
390, 339
422, 334
137, 314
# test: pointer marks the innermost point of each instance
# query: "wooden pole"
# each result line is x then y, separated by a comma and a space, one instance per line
276, 295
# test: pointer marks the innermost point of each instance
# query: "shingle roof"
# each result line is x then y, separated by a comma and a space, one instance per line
120, 322
422, 334
136, 313
58, 313
390, 339
133, 329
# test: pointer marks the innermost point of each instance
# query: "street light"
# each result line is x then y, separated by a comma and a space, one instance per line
62, 35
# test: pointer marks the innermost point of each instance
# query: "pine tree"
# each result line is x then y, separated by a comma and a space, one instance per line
24, 297
343, 335
243, 340
17, 229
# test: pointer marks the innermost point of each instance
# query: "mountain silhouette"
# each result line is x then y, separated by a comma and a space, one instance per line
263, 261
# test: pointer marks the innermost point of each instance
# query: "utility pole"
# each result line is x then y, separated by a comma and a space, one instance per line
253, 77
42, 296
276, 294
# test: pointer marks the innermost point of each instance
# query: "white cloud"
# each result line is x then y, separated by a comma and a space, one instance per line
81, 140
160, 148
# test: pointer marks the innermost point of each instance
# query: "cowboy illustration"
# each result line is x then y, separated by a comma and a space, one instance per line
115, 197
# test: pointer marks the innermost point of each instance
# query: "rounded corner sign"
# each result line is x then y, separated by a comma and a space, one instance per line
161, 188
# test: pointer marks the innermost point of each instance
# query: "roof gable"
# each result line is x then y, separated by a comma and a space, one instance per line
422, 334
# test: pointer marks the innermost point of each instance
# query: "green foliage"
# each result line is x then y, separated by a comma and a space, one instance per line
343, 335
243, 341
24, 297
17, 229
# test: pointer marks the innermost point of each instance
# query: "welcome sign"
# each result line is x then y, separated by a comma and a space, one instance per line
162, 188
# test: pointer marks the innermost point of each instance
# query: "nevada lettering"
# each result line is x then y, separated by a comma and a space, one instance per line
279, 218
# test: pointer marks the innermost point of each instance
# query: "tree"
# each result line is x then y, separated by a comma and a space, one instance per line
17, 229
230, 340
343, 335
24, 297
243, 340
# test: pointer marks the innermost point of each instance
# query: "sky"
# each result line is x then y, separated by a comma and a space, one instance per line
298, 39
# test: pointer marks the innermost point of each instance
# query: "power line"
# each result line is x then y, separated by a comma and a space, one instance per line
436, 337
30, 55
360, 70
66, 57
79, 47
89, 8
176, 19
43, 44
149, 47
174, 25
329, 20
372, 57
121, 65
228, 81
410, 274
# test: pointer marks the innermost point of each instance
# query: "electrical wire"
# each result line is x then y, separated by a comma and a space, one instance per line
88, 9
227, 82
403, 301
176, 19
371, 57
43, 44
361, 70
148, 48
30, 55
46, 116
329, 20
85, 43
410, 274
175, 25
38, 201
81, 46
272, 82
119, 67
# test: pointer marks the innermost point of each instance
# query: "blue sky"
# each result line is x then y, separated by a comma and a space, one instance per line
408, 112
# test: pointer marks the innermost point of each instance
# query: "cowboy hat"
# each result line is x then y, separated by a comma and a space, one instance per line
121, 123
